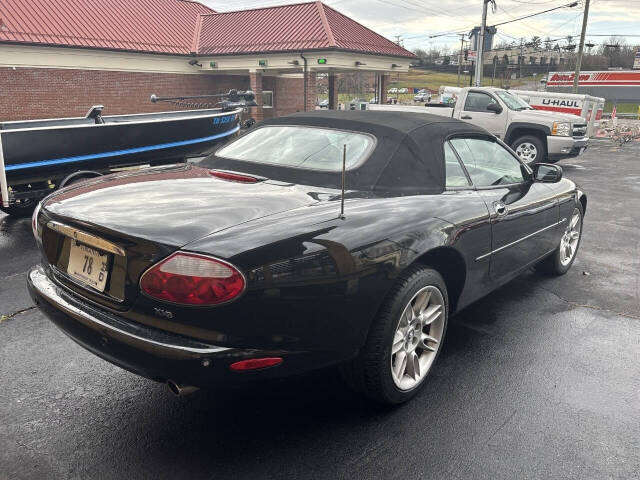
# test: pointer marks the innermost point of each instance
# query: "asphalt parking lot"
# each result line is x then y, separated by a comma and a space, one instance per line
541, 379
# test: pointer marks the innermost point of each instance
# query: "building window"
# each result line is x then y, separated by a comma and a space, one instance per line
267, 99
532, 60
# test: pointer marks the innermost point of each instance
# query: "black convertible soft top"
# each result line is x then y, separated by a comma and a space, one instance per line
408, 156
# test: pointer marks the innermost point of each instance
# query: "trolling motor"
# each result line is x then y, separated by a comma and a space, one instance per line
226, 101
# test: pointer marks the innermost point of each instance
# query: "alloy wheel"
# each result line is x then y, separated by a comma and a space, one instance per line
570, 238
527, 152
417, 338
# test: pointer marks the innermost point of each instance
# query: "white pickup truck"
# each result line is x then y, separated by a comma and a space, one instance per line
536, 136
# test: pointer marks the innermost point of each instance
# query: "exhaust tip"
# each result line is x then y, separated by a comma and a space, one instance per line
180, 390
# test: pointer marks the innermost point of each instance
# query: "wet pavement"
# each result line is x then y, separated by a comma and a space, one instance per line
541, 379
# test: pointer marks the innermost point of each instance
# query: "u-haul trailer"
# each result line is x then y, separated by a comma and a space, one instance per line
577, 104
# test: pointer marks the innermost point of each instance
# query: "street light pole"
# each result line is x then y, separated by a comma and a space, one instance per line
576, 76
480, 49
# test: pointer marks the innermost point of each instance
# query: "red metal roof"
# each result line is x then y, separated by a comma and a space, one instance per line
185, 26
302, 26
161, 26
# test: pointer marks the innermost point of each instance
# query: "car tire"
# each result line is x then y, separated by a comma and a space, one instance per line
398, 333
559, 263
530, 149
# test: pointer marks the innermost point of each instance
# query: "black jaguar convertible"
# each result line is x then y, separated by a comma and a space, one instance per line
255, 263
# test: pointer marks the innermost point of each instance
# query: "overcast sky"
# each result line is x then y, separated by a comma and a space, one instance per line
415, 20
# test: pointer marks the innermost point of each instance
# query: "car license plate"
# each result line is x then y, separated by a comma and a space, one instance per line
88, 265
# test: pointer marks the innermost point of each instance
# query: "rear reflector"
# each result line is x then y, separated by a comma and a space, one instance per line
193, 279
233, 177
255, 364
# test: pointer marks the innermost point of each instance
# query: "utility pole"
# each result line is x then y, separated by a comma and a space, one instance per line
576, 76
521, 57
480, 49
462, 35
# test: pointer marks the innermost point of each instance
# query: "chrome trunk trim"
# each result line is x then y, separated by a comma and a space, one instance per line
85, 238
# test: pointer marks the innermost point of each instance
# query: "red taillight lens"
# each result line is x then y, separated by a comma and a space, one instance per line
255, 364
233, 177
193, 279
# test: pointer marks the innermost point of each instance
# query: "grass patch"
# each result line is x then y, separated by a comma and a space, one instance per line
433, 80
621, 107
424, 79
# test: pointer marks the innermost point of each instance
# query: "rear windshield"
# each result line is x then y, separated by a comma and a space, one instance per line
300, 147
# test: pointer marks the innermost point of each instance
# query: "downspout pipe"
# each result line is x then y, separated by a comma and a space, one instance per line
4, 189
304, 79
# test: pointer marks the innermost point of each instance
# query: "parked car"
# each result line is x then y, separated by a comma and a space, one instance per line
324, 103
422, 97
355, 102
392, 90
251, 264
403, 90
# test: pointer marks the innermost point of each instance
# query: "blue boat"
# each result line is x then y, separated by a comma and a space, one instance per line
39, 156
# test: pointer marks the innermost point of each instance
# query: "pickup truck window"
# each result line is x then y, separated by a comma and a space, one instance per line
478, 102
488, 163
455, 176
512, 101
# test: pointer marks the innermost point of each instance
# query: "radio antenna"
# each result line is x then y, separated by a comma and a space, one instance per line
344, 167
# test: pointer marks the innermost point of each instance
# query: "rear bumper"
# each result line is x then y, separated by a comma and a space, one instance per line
565, 147
153, 353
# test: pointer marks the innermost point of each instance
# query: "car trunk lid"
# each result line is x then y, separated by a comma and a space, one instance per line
149, 214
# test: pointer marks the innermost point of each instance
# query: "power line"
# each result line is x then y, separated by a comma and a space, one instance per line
568, 5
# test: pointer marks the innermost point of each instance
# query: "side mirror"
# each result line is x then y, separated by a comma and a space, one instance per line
547, 173
494, 107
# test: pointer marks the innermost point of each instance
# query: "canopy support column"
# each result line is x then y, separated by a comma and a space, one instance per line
255, 81
384, 86
310, 91
333, 91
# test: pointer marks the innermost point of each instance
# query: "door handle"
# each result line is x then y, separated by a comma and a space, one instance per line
466, 117
500, 208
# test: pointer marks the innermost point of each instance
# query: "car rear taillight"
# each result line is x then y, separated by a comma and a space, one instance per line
193, 279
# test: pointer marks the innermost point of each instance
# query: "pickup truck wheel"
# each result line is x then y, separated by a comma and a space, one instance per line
530, 149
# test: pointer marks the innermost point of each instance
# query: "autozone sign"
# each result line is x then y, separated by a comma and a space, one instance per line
601, 79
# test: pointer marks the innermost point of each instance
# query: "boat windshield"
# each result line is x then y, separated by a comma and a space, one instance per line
300, 147
513, 102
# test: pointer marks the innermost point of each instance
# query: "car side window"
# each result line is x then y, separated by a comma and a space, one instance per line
455, 176
478, 102
487, 162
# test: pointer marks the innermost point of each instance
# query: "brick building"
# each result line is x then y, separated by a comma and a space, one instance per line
59, 58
